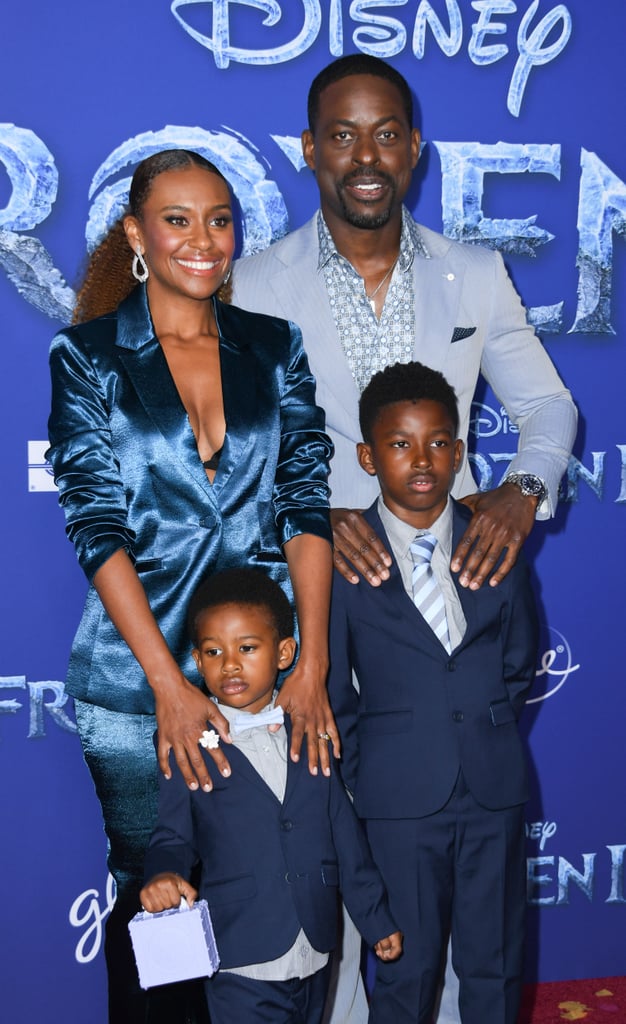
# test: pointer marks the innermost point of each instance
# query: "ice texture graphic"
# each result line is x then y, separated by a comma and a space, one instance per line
291, 146
265, 217
601, 212
464, 166
219, 42
373, 32
34, 180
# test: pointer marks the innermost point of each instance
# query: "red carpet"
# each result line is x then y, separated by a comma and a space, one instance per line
593, 1000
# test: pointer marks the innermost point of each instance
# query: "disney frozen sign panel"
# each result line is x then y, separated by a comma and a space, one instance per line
174, 945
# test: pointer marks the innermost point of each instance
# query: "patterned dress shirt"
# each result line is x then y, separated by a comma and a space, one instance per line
370, 344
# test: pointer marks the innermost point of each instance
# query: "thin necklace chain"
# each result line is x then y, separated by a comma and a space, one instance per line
388, 273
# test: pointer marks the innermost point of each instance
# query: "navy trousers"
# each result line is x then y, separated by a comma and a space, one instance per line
232, 998
462, 871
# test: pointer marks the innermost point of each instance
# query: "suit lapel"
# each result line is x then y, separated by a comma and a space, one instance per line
336, 390
239, 395
467, 597
438, 283
248, 772
393, 591
146, 366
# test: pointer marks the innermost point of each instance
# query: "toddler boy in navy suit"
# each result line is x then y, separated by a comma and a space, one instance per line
430, 744
274, 843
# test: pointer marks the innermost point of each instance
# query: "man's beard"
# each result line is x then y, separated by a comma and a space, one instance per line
362, 218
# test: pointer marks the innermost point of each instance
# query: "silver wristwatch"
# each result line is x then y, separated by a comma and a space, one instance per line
529, 484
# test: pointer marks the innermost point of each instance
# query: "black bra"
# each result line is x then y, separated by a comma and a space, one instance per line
214, 461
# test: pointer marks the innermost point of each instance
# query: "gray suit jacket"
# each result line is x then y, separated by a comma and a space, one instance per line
469, 320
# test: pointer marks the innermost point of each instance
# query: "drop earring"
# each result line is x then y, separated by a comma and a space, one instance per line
140, 267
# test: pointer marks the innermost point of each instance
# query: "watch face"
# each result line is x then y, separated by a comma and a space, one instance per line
531, 485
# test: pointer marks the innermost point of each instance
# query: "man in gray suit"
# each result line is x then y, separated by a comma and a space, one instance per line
369, 287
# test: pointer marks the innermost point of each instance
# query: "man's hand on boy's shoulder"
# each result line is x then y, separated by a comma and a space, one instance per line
164, 892
389, 948
501, 519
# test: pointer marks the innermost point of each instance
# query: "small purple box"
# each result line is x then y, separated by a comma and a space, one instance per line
174, 945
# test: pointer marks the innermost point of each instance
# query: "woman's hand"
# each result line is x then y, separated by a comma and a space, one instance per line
356, 547
182, 715
303, 696
182, 710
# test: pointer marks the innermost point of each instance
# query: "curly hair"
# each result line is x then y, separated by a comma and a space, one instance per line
405, 382
245, 586
108, 278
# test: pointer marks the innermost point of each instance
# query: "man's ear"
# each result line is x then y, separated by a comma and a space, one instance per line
416, 142
286, 651
308, 148
364, 455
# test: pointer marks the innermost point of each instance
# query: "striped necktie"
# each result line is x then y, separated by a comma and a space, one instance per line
427, 594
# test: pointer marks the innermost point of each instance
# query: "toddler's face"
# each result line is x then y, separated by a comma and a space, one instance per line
239, 654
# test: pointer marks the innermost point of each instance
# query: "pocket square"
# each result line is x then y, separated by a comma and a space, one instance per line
462, 332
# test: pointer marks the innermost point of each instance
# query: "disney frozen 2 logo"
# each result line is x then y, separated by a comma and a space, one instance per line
465, 168
556, 665
490, 425
550, 877
368, 25
88, 914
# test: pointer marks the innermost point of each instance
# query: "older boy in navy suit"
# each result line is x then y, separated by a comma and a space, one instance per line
275, 844
431, 749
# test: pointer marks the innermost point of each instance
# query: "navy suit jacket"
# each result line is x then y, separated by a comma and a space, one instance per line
268, 869
129, 474
422, 714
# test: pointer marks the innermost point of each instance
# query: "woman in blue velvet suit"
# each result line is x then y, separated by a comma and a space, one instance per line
184, 438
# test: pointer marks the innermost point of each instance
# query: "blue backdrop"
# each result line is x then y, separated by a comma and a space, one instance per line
521, 109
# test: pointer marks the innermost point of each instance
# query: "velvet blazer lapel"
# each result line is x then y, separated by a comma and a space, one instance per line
146, 366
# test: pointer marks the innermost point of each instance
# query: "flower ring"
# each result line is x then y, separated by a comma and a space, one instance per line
209, 740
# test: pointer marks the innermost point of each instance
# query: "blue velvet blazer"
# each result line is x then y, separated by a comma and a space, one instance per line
129, 474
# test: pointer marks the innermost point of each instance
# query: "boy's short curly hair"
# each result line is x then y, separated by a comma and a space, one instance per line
405, 382
244, 586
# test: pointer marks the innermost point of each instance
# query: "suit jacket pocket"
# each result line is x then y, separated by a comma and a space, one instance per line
502, 712
459, 333
385, 723
330, 873
230, 890
148, 565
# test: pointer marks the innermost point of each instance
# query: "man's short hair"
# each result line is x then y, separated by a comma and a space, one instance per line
405, 382
250, 587
356, 64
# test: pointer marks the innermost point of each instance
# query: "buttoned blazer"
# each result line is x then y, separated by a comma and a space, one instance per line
421, 714
469, 320
269, 868
129, 475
